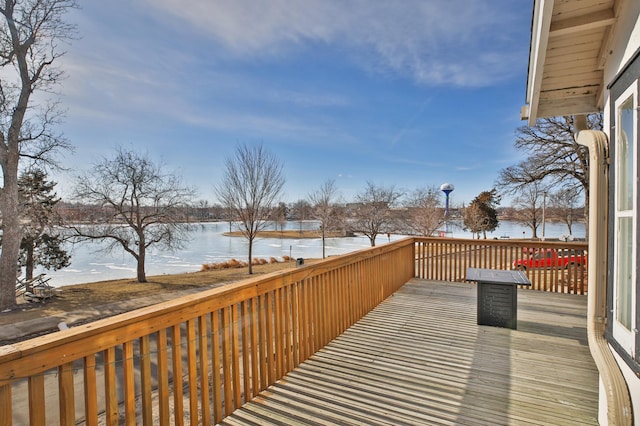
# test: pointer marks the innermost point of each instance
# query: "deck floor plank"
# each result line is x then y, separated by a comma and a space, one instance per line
420, 358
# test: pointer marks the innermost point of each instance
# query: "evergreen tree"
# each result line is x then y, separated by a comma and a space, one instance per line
481, 215
41, 244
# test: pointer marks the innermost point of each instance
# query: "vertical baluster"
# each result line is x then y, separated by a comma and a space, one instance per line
269, 324
216, 365
36, 401
192, 367
90, 391
264, 355
246, 349
203, 361
288, 329
227, 354
305, 335
145, 380
6, 419
128, 372
66, 394
235, 347
163, 377
176, 361
110, 394
331, 312
278, 335
255, 346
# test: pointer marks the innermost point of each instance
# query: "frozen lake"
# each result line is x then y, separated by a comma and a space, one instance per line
209, 245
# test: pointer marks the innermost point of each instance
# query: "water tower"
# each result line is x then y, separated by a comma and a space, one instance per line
447, 188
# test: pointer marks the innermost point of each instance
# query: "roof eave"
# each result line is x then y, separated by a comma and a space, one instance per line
540, 26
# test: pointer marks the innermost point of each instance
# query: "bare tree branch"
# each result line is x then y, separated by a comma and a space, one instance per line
528, 207
555, 160
425, 213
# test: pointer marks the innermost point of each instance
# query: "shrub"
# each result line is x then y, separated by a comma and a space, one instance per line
233, 263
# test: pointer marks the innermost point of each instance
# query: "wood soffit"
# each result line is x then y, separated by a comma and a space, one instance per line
569, 50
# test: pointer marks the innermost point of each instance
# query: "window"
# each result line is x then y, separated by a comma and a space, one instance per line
625, 219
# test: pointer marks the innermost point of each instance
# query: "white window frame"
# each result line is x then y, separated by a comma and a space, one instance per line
623, 335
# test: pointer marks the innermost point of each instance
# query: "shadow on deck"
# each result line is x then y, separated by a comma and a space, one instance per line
420, 358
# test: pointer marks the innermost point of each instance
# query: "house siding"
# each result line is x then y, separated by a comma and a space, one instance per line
622, 70
630, 76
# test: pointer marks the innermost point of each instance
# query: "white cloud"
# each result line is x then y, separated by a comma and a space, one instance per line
433, 42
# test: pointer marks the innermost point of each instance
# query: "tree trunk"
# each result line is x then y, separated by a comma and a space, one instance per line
142, 276
250, 256
11, 233
28, 273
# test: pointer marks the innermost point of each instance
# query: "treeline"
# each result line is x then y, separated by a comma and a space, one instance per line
302, 210
552, 214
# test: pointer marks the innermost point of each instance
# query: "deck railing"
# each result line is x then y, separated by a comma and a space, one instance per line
196, 359
447, 259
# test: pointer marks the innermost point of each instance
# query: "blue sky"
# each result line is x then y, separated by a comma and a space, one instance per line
397, 92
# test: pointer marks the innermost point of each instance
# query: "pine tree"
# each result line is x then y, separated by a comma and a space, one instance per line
481, 215
41, 244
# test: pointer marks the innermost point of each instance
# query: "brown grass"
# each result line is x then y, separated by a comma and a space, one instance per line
82, 296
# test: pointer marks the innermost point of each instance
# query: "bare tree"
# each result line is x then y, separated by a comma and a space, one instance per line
323, 202
144, 206
425, 213
301, 211
372, 214
29, 46
251, 186
202, 210
279, 216
564, 204
229, 216
555, 158
528, 207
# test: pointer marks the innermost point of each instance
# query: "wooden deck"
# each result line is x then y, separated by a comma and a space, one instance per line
420, 359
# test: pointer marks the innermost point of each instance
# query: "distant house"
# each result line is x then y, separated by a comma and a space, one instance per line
585, 57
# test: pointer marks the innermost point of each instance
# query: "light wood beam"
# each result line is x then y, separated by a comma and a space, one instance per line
587, 22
